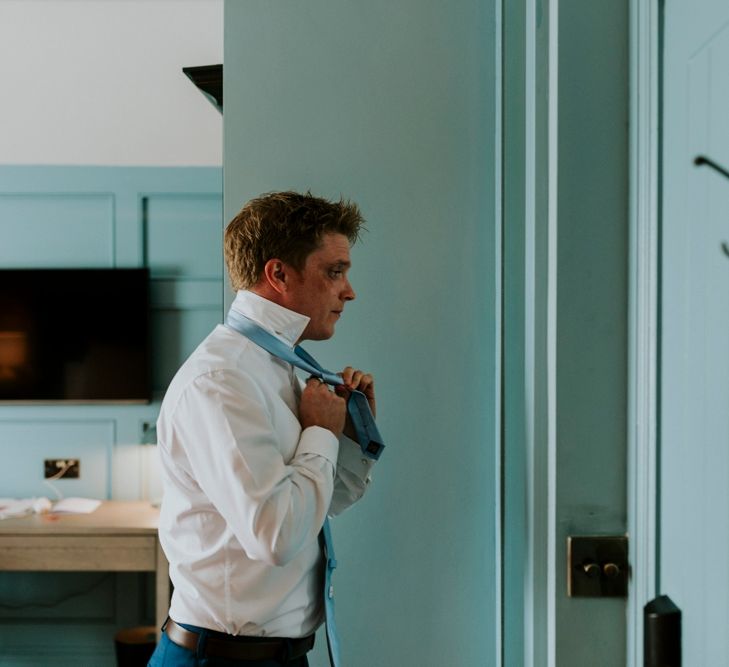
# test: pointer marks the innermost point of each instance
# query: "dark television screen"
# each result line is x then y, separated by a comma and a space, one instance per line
75, 335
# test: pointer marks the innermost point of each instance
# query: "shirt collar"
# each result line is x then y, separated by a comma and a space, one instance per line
285, 324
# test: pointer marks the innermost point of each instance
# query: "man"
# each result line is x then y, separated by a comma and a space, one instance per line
253, 460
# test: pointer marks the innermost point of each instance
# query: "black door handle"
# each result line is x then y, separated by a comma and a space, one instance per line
702, 159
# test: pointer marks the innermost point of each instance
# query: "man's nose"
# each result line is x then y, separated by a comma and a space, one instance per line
349, 294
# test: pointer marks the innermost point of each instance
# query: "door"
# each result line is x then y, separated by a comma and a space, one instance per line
693, 536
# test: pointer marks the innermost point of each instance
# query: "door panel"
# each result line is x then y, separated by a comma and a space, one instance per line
694, 449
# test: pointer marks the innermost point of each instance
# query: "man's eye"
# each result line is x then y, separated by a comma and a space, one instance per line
335, 274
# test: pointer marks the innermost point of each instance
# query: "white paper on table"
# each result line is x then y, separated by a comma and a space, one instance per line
75, 506
13, 507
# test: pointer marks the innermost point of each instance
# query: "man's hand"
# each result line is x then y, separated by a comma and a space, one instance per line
361, 381
321, 407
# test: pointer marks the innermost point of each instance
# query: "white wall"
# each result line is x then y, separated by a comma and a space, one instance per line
99, 82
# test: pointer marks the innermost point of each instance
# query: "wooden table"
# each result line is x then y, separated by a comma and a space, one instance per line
119, 536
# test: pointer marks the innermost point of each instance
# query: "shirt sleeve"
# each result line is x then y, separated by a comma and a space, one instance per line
353, 472
274, 508
353, 476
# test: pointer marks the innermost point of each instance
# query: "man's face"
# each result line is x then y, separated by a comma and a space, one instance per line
321, 288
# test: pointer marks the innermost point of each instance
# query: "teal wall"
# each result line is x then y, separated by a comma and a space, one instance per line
394, 104
168, 219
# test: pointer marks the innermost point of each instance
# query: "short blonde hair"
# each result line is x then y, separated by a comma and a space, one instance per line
283, 225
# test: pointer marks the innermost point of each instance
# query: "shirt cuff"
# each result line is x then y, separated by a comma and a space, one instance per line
319, 441
352, 459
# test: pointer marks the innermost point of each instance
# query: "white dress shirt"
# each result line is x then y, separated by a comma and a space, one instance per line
246, 490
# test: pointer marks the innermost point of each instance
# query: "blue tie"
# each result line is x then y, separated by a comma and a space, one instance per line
331, 623
368, 437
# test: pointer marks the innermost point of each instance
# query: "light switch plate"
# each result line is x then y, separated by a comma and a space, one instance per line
597, 566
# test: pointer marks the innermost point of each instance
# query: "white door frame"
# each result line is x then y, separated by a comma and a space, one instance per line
530, 256
644, 290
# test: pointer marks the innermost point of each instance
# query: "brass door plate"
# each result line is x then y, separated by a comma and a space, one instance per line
597, 566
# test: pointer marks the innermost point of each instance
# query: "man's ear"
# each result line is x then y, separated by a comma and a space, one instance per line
276, 275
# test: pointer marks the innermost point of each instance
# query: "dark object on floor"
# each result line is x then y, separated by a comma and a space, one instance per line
134, 646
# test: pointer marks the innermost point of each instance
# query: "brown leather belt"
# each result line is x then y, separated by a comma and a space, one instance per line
239, 647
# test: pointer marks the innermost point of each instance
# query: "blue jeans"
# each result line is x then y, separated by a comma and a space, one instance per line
169, 654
